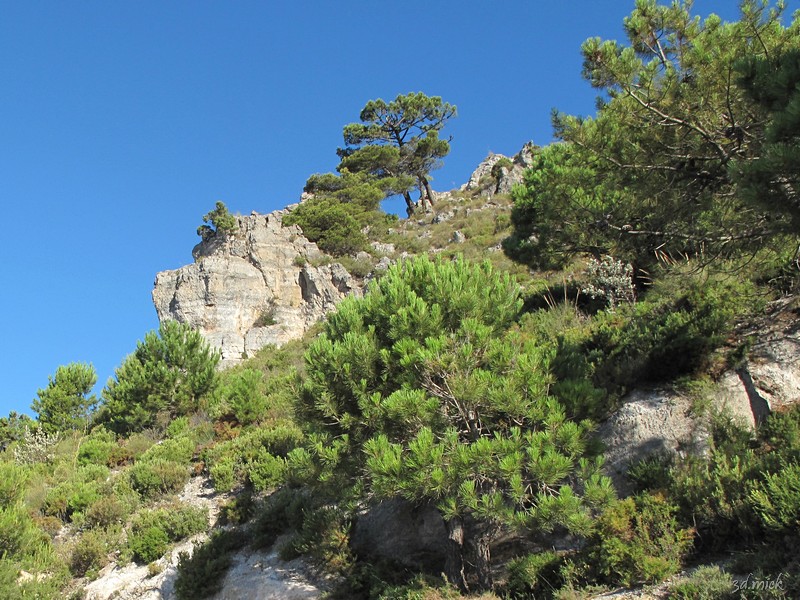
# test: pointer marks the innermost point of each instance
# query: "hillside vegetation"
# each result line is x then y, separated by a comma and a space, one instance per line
470, 379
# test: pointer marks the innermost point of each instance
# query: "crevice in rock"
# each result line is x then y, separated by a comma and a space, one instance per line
305, 292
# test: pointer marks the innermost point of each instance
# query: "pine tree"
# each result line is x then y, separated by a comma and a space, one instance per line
67, 401
407, 132
771, 179
650, 175
168, 374
425, 386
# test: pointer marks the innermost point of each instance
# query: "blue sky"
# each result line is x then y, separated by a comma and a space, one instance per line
122, 123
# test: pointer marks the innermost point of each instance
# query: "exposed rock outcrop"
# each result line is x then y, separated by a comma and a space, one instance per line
653, 422
490, 178
253, 288
661, 421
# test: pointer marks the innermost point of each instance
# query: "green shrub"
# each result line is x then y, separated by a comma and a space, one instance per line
106, 511
325, 538
43, 586
638, 541
148, 544
660, 338
266, 471
18, 534
776, 501
238, 510
179, 450
90, 554
13, 480
283, 511
70, 497
426, 588
256, 456
153, 478
357, 267
242, 392
706, 583
200, 575
97, 448
176, 522
137, 444
712, 492
331, 224
178, 426
266, 318
223, 474
651, 473
534, 575
153, 531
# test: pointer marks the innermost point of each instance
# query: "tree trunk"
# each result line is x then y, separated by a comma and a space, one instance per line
409, 204
428, 191
483, 562
454, 558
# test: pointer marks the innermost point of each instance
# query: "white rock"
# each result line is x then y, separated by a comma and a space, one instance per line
235, 279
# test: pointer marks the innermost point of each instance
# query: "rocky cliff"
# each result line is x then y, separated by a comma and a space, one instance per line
254, 287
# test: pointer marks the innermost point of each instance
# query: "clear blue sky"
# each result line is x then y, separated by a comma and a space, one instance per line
122, 123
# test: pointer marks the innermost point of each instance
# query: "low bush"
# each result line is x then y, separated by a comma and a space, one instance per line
223, 474
661, 338
148, 544
746, 490
427, 588
239, 510
706, 583
137, 444
282, 511
256, 457
776, 501
98, 448
177, 427
70, 497
325, 538
266, 471
534, 575
242, 393
106, 511
13, 480
154, 478
178, 450
89, 555
201, 574
18, 534
154, 530
638, 540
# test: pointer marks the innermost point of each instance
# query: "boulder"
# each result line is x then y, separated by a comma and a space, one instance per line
400, 532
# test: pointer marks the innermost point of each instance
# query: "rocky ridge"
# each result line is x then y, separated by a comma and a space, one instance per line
267, 283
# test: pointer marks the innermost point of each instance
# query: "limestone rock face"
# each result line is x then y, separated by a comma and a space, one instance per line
650, 422
252, 288
661, 421
489, 182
